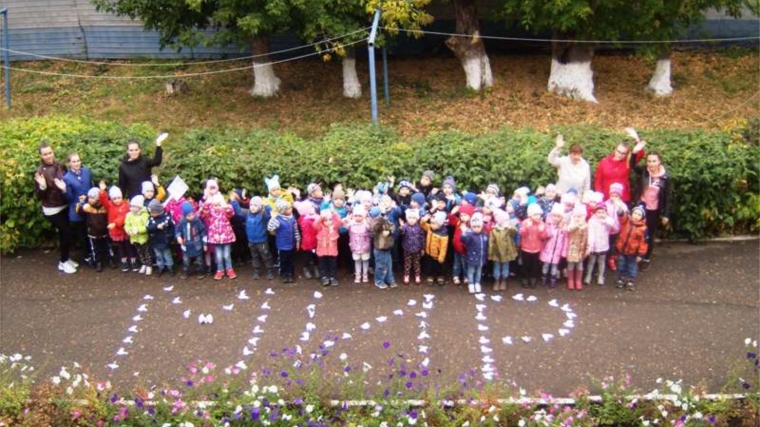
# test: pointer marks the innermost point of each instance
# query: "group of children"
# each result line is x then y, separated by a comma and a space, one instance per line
430, 230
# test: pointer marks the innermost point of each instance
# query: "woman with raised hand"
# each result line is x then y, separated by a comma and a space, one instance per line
136, 168
573, 170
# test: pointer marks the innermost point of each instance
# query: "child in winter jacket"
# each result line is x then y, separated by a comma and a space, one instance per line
501, 248
631, 247
284, 227
360, 243
327, 226
191, 235
382, 234
161, 233
216, 212
413, 242
464, 213
600, 226
476, 242
436, 245
575, 249
257, 218
616, 207
551, 253
307, 215
117, 209
135, 224
96, 220
548, 200
532, 236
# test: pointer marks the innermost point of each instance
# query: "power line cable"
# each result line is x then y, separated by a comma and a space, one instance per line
177, 64
527, 39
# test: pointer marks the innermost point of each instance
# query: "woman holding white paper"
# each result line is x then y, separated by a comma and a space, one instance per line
135, 168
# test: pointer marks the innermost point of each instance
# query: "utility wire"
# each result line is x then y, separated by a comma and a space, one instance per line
526, 39
177, 64
166, 76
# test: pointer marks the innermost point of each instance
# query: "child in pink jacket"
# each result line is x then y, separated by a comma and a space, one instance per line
216, 212
327, 226
600, 227
551, 253
532, 236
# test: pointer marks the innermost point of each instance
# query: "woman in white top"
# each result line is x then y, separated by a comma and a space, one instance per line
573, 170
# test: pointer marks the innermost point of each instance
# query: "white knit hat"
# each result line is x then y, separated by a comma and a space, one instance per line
534, 209
115, 192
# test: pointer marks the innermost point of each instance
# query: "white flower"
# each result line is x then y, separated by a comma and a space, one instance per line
56, 380
286, 417
16, 357
205, 370
69, 390
496, 418
343, 356
64, 374
698, 416
384, 424
675, 388
166, 425
521, 423
238, 409
659, 381
491, 409
645, 423
186, 424
255, 389
747, 341
281, 402
309, 409
411, 421
466, 424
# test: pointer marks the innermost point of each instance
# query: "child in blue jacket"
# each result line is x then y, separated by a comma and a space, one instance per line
257, 218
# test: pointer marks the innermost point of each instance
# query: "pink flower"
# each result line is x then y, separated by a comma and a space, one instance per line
210, 379
75, 414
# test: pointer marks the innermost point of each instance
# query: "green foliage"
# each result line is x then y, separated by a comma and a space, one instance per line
583, 19
716, 175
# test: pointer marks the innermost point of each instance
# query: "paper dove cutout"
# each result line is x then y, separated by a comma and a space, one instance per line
346, 336
381, 319
148, 297
265, 306
571, 315
553, 303
421, 314
482, 328
269, 291
228, 307
411, 303
507, 340
243, 295
488, 376
186, 314
254, 341
425, 362
496, 298
311, 309
137, 318
485, 349
247, 352
317, 294
112, 366
297, 364
563, 332
423, 335
122, 352
531, 298
169, 288
480, 297
398, 313
305, 336
423, 349
143, 308
424, 324
328, 343
133, 329
527, 339
262, 318
480, 317
136, 374
310, 327
518, 297
257, 330
569, 324
205, 319
566, 308
484, 340
428, 297
241, 365
427, 305
366, 366
127, 340
177, 300
487, 359
487, 367
365, 326
547, 337
480, 307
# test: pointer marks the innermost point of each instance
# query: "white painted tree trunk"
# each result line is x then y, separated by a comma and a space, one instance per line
477, 69
572, 79
470, 51
265, 82
659, 85
351, 86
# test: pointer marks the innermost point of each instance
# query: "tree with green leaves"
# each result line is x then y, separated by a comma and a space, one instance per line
667, 20
572, 24
242, 23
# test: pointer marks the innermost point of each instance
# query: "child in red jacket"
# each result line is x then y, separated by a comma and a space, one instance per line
631, 247
465, 212
117, 214
532, 235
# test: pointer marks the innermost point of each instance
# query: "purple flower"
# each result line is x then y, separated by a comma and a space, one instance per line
391, 362
347, 368
425, 372
151, 411
711, 419
284, 374
412, 375
299, 381
298, 402
402, 372
386, 393
413, 415
751, 355
266, 372
189, 383
745, 386
409, 385
255, 413
386, 344
138, 402
114, 398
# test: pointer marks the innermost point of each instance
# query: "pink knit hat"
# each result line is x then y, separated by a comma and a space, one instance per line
616, 188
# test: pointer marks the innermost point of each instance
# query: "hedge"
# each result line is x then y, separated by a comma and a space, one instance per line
715, 173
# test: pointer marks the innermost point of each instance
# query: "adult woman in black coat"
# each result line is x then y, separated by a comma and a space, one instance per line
654, 196
136, 168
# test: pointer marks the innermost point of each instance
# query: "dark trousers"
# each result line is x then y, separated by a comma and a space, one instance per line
412, 263
61, 222
124, 250
187, 261
653, 222
287, 267
260, 254
531, 265
99, 247
143, 251
432, 267
328, 266
79, 238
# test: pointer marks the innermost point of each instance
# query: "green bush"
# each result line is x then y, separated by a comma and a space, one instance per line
715, 174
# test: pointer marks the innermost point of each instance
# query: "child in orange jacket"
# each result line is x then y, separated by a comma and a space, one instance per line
631, 247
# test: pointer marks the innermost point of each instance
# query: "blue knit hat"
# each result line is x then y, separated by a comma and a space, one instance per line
471, 198
187, 209
374, 212
419, 198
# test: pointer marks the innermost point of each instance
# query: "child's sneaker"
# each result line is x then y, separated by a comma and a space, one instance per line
219, 274
141, 270
406, 279
148, 270
471, 288
231, 273
393, 285
134, 265
417, 280
630, 286
620, 283
430, 281
477, 288
124, 267
183, 276
600, 280
365, 278
66, 268
381, 285
455, 280
325, 281
333, 282
441, 281
255, 275
270, 275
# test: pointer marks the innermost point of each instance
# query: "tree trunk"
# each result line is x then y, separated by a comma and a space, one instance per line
470, 50
660, 83
265, 82
351, 86
571, 74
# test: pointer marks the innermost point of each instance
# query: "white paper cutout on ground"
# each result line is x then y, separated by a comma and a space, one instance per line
421, 314
269, 291
147, 297
305, 336
518, 297
247, 352
254, 341
487, 359
553, 303
262, 318
570, 315
485, 349
310, 327
257, 330
243, 295
411, 303
484, 340
427, 305
127, 340
328, 344
482, 328
205, 319
424, 324
569, 324
423, 349
346, 336
228, 307
143, 308
425, 362
480, 297
169, 288
398, 312
423, 335
137, 318
428, 297
317, 294
480, 316
563, 332
365, 326
566, 307
343, 356
531, 298
381, 319
311, 309
496, 298
133, 329
265, 306
186, 314
241, 365
547, 337
526, 339
480, 307
177, 300
112, 366
122, 352
488, 376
